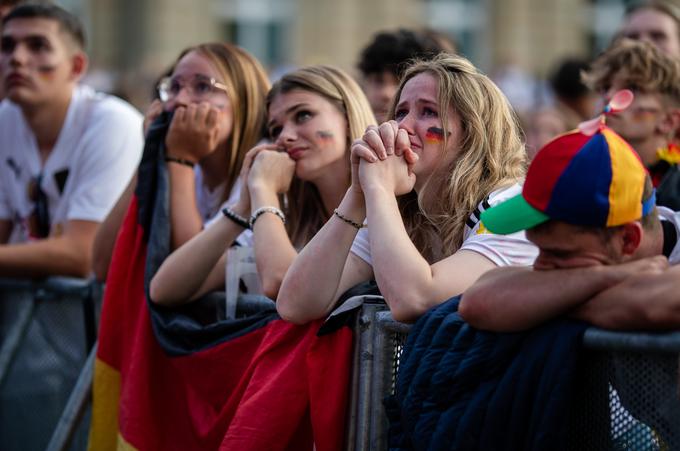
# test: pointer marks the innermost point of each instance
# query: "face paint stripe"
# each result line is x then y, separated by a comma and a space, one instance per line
434, 135
324, 135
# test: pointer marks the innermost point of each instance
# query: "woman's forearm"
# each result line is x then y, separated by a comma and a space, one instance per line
104, 241
402, 274
273, 250
185, 220
315, 279
183, 274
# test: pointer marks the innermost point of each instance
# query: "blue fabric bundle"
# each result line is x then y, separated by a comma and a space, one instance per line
464, 389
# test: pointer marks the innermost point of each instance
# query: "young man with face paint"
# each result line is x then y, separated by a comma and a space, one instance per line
605, 249
66, 153
651, 122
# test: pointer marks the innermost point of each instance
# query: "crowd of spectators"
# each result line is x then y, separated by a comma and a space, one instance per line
410, 181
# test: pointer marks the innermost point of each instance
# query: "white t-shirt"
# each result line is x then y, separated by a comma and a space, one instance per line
503, 250
666, 214
96, 153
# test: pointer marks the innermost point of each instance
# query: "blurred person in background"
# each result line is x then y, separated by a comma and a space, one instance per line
541, 126
656, 22
573, 99
651, 122
314, 113
66, 151
216, 92
383, 60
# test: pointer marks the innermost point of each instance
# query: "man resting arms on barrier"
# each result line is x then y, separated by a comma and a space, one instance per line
66, 152
605, 249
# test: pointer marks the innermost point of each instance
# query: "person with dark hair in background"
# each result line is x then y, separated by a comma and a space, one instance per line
66, 152
383, 60
575, 101
656, 22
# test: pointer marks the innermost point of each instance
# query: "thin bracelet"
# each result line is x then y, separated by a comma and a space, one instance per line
179, 161
356, 225
237, 218
260, 211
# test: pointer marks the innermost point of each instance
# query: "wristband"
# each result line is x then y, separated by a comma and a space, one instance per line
237, 218
260, 211
356, 225
179, 161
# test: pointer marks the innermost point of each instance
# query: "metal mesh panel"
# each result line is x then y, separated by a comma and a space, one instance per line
397, 341
41, 373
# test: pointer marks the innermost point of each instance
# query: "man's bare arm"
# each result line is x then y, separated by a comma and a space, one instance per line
648, 300
65, 255
512, 299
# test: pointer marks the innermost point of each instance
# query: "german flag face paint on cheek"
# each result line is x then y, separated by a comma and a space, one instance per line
324, 137
46, 72
434, 135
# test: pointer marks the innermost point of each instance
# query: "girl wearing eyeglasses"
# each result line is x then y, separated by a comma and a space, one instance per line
313, 115
217, 94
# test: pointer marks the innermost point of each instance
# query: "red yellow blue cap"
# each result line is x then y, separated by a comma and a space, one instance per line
579, 179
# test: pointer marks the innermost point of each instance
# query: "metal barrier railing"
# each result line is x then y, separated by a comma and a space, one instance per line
627, 398
47, 328
628, 395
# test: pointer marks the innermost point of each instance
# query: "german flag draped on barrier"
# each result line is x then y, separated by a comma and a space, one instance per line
185, 379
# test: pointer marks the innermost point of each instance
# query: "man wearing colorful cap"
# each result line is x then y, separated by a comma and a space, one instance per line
588, 204
651, 123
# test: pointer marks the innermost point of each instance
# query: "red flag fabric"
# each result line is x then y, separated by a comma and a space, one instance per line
276, 386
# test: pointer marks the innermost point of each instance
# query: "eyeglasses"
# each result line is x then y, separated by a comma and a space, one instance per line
199, 87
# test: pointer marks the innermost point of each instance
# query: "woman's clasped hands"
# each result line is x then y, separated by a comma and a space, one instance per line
383, 159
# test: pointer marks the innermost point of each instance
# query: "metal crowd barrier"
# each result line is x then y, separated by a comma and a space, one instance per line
627, 393
47, 328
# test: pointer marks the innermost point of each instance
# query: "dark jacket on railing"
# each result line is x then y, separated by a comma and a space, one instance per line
464, 389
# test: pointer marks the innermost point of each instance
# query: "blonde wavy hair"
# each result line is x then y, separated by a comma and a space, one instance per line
305, 211
247, 85
491, 155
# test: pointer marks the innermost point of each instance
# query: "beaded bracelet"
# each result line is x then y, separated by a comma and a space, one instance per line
179, 161
237, 218
260, 211
356, 225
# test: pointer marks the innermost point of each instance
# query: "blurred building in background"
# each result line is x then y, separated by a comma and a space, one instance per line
133, 41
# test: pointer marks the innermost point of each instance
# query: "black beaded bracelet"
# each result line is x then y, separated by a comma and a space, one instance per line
356, 225
179, 161
262, 210
237, 218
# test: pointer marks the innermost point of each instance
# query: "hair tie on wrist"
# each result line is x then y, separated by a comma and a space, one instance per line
237, 218
260, 211
179, 161
356, 225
